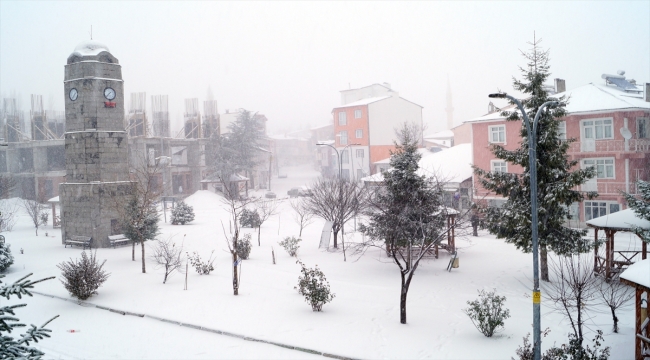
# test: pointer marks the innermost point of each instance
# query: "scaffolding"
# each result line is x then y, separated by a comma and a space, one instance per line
56, 123
160, 115
12, 122
137, 123
192, 118
211, 126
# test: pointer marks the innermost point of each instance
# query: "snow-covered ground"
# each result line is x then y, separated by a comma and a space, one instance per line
361, 322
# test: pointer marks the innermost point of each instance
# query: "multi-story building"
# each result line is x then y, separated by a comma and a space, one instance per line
364, 126
610, 122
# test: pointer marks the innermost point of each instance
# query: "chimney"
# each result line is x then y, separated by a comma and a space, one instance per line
647, 92
560, 86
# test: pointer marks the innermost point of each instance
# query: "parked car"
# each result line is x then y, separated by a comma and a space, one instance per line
299, 191
305, 191
294, 192
270, 195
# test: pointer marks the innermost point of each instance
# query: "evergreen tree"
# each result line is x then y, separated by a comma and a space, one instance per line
406, 214
556, 182
19, 347
6, 259
641, 207
140, 223
182, 213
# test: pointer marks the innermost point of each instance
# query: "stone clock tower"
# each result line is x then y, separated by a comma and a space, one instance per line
96, 145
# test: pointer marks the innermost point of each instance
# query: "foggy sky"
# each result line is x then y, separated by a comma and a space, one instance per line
289, 60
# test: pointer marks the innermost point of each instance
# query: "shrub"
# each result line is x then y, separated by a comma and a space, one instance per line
244, 246
203, 268
574, 351
84, 276
6, 259
313, 285
44, 217
250, 218
182, 213
290, 244
487, 313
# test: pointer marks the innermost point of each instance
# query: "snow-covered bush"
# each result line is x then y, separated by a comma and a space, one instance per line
18, 348
487, 313
6, 259
84, 276
290, 244
313, 285
8, 212
249, 218
182, 213
44, 217
574, 351
244, 246
201, 267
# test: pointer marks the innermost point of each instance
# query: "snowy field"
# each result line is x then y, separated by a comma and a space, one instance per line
361, 322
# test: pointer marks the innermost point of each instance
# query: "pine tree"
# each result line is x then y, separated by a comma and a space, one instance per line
6, 259
182, 213
556, 182
140, 223
641, 207
407, 213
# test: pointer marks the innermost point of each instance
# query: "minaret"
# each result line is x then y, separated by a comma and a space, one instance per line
96, 146
450, 107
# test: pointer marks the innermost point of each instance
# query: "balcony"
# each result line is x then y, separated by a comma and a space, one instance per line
608, 188
609, 146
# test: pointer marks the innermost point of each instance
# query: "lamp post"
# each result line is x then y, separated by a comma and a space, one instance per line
532, 160
339, 156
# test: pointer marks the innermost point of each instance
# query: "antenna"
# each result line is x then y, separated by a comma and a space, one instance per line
91, 32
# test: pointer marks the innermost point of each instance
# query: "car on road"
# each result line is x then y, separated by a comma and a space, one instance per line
270, 195
299, 191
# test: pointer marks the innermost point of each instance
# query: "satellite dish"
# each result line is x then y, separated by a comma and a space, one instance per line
627, 135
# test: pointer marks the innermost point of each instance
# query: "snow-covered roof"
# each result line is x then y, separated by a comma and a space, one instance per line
638, 273
364, 101
621, 220
90, 48
590, 98
54, 200
453, 165
445, 134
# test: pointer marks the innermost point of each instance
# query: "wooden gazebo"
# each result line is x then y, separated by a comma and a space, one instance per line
616, 261
638, 276
56, 221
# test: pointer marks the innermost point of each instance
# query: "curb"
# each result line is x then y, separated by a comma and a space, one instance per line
198, 327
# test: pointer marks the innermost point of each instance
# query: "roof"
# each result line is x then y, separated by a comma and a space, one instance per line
638, 273
367, 86
589, 98
453, 165
365, 101
90, 48
624, 220
445, 134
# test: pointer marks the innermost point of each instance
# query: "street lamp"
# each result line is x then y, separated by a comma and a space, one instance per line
339, 156
532, 160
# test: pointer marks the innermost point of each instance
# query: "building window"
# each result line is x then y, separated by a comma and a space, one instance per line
345, 173
358, 133
342, 119
497, 133
496, 203
594, 209
561, 130
344, 157
498, 166
604, 167
642, 130
360, 153
343, 139
597, 129
359, 174
357, 114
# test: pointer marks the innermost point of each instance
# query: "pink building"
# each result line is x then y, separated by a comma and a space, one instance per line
610, 121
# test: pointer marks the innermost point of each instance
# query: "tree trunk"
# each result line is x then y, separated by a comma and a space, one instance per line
543, 263
235, 279
402, 300
615, 319
36, 230
336, 244
133, 250
144, 271
258, 234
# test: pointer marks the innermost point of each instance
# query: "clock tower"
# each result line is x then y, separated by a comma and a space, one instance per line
96, 145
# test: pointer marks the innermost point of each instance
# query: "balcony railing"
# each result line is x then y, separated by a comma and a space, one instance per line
614, 146
608, 188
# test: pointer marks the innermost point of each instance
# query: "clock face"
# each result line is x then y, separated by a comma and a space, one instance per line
109, 93
73, 94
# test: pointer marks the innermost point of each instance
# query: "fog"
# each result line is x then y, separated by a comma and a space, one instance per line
289, 60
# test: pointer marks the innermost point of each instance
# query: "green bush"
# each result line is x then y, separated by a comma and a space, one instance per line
6, 259
487, 312
83, 277
244, 246
290, 244
313, 285
250, 218
182, 213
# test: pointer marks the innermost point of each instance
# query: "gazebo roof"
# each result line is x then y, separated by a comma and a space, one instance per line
625, 220
638, 273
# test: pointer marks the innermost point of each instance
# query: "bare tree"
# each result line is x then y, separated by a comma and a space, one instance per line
168, 256
235, 205
302, 214
8, 212
265, 209
336, 200
574, 289
615, 295
35, 212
